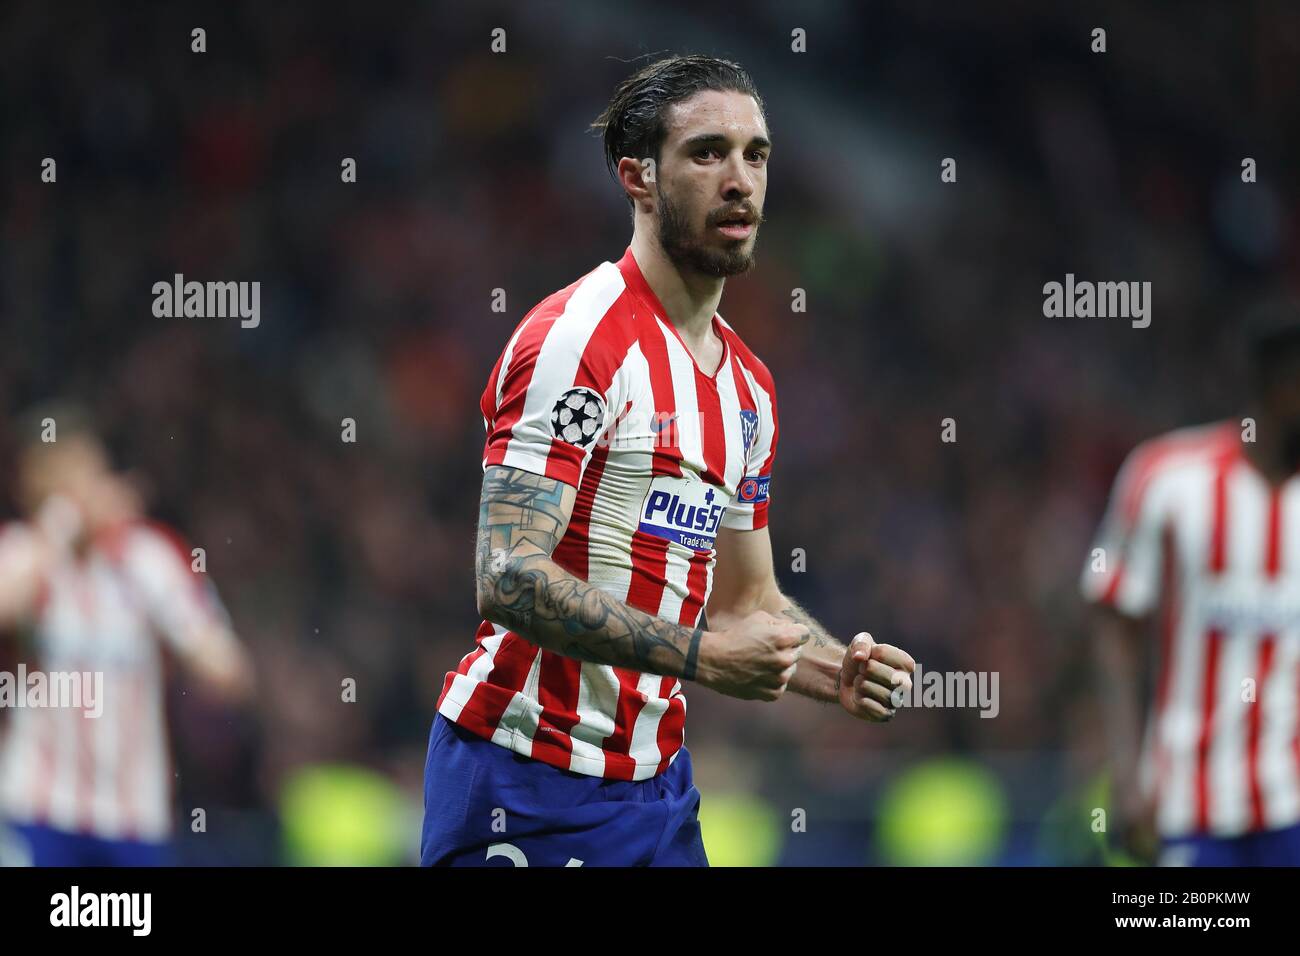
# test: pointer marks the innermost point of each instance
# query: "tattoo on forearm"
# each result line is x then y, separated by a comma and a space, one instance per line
817, 633
522, 517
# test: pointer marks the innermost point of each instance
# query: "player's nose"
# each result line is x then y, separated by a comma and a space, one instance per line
739, 183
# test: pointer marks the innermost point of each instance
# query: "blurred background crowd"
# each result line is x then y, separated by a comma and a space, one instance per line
475, 171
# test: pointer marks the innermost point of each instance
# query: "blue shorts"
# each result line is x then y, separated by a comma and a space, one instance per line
1263, 848
485, 805
47, 846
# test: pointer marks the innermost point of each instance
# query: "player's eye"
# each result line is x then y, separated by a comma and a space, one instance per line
705, 151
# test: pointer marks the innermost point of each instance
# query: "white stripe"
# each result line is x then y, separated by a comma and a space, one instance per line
1277, 763
1246, 517
690, 436
597, 704
729, 405
519, 722
462, 685
685, 400
557, 364
644, 747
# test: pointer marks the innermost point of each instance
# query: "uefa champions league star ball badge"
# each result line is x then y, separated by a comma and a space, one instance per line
577, 416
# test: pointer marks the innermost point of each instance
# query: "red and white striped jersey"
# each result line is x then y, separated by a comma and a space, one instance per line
108, 775
1195, 532
597, 389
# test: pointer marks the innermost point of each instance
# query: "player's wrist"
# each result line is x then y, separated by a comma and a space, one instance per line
698, 665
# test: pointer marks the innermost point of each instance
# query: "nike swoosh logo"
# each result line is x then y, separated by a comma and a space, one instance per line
660, 424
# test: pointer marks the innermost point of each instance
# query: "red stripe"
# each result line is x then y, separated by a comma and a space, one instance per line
697, 581
1116, 581
485, 629
488, 701
557, 691
1273, 550
1210, 690
514, 389
619, 765
1169, 618
714, 438
743, 394
1262, 669
666, 457
1218, 529
671, 725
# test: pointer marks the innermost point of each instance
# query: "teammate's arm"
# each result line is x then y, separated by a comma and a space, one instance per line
27, 551
860, 677
22, 567
1124, 671
522, 517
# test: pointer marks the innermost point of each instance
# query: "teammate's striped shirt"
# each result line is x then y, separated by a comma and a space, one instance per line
596, 389
108, 776
1196, 533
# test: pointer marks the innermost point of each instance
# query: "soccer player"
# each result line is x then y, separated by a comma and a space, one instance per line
90, 588
630, 442
1201, 545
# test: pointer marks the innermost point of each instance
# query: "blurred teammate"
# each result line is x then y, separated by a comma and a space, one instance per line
1202, 573
630, 441
88, 587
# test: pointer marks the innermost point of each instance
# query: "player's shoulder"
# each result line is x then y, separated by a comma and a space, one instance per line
582, 314
1164, 461
746, 356
148, 539
1181, 448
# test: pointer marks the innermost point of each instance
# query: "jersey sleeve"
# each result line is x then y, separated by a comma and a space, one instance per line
181, 603
747, 510
1125, 565
551, 398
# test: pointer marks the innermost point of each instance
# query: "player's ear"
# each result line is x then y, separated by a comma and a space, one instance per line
638, 178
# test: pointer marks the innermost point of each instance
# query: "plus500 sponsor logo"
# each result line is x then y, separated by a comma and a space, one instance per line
684, 511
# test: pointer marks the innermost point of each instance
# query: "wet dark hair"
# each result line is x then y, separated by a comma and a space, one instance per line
634, 123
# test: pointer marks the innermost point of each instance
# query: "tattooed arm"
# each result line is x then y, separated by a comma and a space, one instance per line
522, 517
860, 678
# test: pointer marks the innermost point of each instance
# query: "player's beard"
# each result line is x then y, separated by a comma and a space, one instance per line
688, 251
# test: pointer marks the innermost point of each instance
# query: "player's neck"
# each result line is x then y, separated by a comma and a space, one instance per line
690, 300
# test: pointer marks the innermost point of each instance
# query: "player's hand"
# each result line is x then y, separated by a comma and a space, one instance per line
223, 666
754, 659
60, 523
869, 676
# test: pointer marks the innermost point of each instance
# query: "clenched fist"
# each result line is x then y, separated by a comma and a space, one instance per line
754, 659
869, 675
